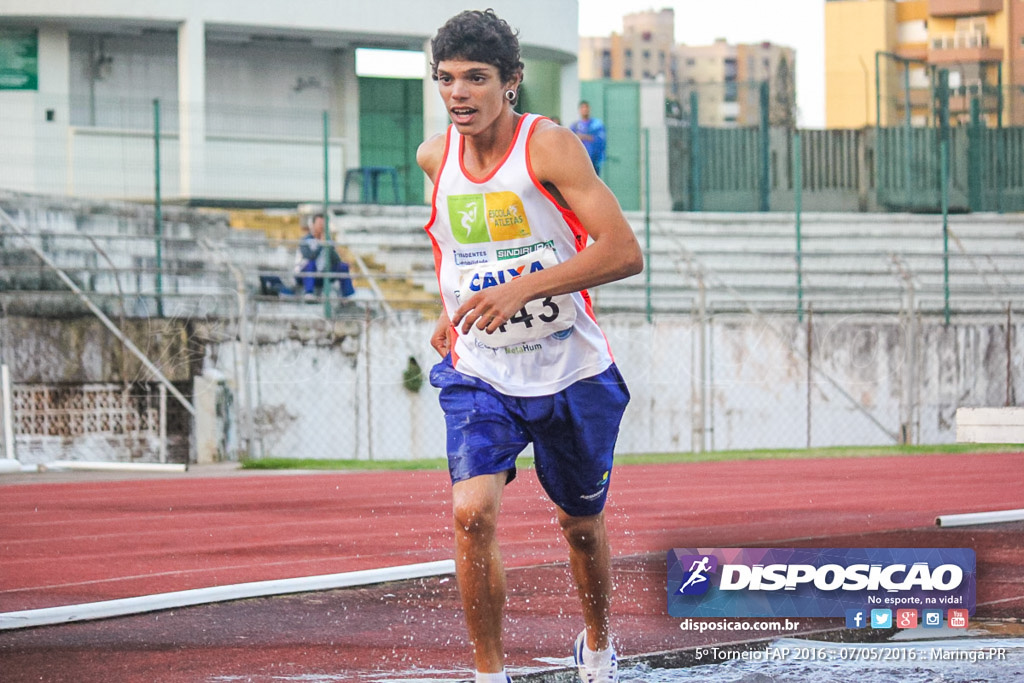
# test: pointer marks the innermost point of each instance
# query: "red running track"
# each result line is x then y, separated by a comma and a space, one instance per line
70, 543
81, 542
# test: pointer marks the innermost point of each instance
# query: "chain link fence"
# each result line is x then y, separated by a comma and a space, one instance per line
720, 382
720, 344
752, 330
909, 92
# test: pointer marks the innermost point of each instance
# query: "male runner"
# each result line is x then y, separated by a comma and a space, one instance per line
515, 199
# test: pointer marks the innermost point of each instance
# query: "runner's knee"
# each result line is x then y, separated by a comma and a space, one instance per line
582, 533
475, 518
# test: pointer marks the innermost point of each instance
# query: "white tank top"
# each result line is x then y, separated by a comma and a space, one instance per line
488, 230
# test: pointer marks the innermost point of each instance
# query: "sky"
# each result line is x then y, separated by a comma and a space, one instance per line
799, 24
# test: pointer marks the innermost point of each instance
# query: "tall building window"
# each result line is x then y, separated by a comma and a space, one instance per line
730, 69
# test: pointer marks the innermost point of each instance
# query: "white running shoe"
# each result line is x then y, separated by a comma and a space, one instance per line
605, 674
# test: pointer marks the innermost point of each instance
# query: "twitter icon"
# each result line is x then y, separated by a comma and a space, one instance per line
881, 618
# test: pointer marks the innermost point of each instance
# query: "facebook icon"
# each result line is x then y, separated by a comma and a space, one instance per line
856, 618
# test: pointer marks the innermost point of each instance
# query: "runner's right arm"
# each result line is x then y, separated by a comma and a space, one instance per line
429, 156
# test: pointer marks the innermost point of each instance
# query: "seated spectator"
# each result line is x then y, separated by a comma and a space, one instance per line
315, 257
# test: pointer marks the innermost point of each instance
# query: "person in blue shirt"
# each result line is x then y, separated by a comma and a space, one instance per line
591, 132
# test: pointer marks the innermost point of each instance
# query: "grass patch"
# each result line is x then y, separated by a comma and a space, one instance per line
316, 464
645, 458
803, 453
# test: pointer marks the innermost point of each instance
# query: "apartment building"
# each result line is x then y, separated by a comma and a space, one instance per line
883, 57
725, 76
643, 50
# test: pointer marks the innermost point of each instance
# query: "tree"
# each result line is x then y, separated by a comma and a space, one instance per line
783, 108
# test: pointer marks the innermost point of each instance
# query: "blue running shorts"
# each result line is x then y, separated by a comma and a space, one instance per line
573, 433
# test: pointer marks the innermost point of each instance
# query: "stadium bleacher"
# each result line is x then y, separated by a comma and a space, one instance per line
741, 262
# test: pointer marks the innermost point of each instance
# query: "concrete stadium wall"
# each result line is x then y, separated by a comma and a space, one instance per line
872, 383
336, 390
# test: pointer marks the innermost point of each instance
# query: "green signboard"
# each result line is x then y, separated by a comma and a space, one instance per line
19, 59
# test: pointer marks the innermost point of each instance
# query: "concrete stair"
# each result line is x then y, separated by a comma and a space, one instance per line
741, 262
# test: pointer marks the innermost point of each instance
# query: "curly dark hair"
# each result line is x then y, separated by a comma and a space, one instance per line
478, 36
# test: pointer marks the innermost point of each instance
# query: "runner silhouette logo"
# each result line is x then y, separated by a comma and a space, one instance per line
696, 580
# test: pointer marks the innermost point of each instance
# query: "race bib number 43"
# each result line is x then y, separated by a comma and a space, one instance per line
538, 319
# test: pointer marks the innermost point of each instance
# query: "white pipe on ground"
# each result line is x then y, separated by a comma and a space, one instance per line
202, 596
970, 518
113, 466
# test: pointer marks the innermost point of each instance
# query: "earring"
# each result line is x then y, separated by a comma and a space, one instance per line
510, 95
